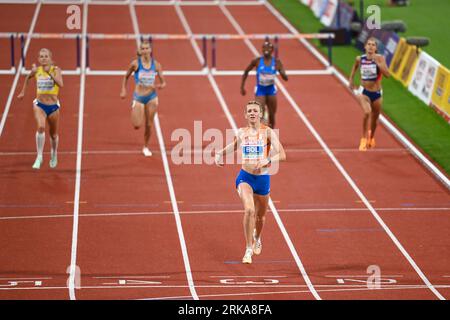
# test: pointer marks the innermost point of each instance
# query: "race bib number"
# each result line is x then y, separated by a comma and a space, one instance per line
147, 78
250, 152
368, 71
45, 84
266, 79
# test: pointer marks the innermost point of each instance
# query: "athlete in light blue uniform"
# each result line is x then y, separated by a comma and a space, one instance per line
260, 148
373, 67
266, 90
145, 98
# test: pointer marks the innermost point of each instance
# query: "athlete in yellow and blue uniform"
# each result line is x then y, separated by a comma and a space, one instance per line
46, 105
372, 67
267, 68
260, 148
46, 85
145, 98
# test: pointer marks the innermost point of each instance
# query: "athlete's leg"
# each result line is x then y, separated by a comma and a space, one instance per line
150, 110
272, 109
40, 117
137, 114
246, 194
364, 101
376, 109
261, 204
53, 123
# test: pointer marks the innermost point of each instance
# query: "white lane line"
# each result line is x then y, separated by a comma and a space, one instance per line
76, 201
170, 186
364, 276
187, 29
344, 172
37, 278
231, 211
322, 288
231, 276
138, 3
133, 277
196, 151
356, 288
16, 78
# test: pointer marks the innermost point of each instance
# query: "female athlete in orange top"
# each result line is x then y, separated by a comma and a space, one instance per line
259, 147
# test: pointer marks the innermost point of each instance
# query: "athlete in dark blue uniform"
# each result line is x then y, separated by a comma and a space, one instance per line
373, 67
265, 89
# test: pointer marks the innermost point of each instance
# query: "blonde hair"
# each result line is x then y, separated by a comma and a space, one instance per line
50, 54
255, 102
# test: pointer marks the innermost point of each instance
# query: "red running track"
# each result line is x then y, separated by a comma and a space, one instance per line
128, 243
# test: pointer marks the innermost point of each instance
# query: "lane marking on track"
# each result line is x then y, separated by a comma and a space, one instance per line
176, 214
199, 151
343, 290
268, 281
34, 278
73, 268
238, 276
259, 261
142, 2
133, 277
336, 230
362, 276
231, 211
321, 288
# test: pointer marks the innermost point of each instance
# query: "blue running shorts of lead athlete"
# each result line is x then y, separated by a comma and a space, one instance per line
259, 183
48, 108
144, 99
372, 95
265, 90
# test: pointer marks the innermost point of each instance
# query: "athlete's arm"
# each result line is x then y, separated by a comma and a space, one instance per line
352, 73
252, 64
162, 80
28, 77
280, 69
278, 153
381, 63
131, 68
57, 77
229, 148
